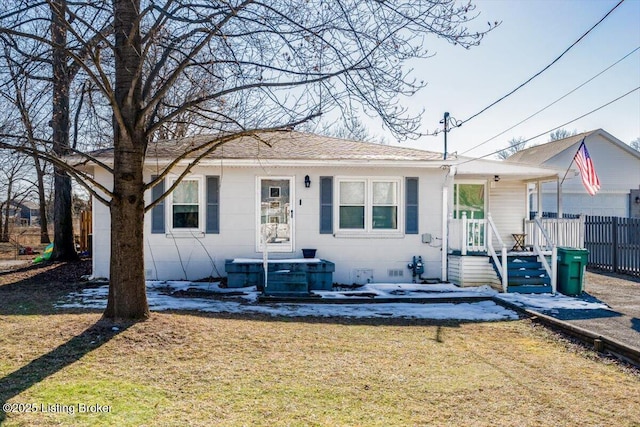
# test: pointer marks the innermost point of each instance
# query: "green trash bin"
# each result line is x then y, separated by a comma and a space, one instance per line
571, 266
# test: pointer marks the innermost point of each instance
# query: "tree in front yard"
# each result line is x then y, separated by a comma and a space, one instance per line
232, 69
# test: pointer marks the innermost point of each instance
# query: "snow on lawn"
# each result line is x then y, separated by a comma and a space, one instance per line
164, 296
410, 290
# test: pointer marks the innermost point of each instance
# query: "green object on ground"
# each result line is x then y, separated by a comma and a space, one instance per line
45, 255
571, 266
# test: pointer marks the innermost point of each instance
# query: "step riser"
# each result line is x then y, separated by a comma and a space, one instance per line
529, 281
530, 273
529, 289
528, 265
527, 275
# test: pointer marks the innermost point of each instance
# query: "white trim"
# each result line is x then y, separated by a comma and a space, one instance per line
202, 205
472, 182
290, 247
368, 231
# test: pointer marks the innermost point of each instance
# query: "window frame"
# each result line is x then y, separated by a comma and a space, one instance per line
201, 204
368, 230
456, 196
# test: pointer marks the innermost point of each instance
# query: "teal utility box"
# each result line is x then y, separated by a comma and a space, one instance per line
250, 272
572, 263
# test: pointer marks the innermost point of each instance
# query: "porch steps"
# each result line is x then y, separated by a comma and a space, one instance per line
287, 283
526, 275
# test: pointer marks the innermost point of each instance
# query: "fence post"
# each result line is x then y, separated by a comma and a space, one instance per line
614, 246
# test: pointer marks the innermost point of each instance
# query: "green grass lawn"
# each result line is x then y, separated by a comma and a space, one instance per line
191, 369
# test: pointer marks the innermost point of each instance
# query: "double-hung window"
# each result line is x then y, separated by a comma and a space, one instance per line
192, 208
368, 204
186, 205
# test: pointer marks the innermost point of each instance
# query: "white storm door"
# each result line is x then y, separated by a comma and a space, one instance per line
275, 214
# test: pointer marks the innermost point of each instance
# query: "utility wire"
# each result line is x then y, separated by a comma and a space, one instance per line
543, 70
557, 127
554, 102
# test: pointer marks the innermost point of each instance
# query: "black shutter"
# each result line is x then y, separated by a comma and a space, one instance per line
213, 205
326, 205
411, 206
157, 213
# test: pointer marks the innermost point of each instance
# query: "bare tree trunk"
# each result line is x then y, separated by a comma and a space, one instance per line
4, 228
127, 293
1, 220
42, 204
64, 244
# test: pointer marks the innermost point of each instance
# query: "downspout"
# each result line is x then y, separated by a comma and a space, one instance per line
445, 221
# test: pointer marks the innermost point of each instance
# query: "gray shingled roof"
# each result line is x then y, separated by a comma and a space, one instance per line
539, 154
286, 145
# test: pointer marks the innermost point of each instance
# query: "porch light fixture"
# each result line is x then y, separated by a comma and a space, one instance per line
638, 200
307, 181
496, 178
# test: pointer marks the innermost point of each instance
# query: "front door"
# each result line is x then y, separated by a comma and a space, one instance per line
275, 214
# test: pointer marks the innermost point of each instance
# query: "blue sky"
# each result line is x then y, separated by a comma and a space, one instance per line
532, 34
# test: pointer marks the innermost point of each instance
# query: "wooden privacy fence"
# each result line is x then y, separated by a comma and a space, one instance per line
85, 231
613, 243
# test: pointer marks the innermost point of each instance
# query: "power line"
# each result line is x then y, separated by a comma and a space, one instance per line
544, 69
554, 102
557, 127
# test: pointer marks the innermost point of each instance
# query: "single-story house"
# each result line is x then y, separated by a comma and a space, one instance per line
617, 166
371, 209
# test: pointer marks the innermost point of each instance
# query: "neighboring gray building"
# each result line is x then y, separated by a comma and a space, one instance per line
617, 166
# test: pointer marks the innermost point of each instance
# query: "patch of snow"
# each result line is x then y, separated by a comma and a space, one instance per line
546, 302
159, 295
274, 261
412, 290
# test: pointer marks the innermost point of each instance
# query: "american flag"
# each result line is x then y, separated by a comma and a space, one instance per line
587, 170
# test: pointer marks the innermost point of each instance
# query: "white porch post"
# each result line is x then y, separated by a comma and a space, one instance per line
445, 232
505, 278
539, 201
448, 178
464, 235
554, 269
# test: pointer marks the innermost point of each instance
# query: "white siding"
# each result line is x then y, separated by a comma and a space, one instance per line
581, 203
472, 271
617, 169
169, 258
508, 206
101, 231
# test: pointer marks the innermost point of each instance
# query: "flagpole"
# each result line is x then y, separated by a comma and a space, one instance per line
559, 187
573, 159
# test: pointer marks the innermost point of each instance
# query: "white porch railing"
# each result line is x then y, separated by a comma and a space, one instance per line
561, 231
501, 265
477, 235
467, 235
540, 235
